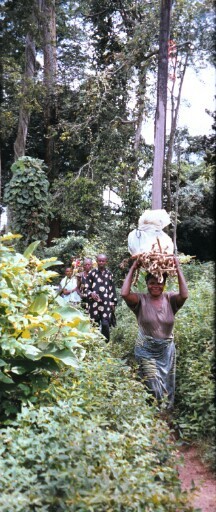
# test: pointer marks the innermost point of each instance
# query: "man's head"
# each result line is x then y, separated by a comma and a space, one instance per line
101, 261
68, 271
87, 264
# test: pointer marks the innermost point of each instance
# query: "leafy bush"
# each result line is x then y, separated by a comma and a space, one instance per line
65, 248
195, 391
99, 448
38, 332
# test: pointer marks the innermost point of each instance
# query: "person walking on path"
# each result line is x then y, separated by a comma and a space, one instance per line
154, 347
87, 266
101, 294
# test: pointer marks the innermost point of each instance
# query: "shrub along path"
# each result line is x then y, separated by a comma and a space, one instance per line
194, 470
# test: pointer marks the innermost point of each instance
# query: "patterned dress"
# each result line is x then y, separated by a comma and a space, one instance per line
84, 299
102, 283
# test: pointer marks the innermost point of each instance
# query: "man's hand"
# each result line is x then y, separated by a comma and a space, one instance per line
95, 296
65, 291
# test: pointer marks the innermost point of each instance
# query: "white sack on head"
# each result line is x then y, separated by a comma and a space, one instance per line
150, 228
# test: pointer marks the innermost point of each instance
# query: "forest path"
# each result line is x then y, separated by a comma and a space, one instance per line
193, 469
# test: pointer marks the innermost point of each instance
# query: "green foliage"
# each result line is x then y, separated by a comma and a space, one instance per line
28, 198
79, 201
98, 446
65, 248
125, 332
38, 332
196, 233
195, 369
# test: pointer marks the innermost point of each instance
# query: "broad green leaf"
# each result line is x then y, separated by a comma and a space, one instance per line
31, 248
2, 363
5, 378
9, 282
48, 332
26, 389
32, 352
19, 370
39, 305
48, 264
64, 356
71, 314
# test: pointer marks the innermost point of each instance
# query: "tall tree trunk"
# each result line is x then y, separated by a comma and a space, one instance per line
174, 118
141, 107
138, 127
160, 118
25, 107
177, 199
50, 107
1, 102
50, 70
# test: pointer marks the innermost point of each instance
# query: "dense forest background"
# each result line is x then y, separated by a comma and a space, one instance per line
77, 81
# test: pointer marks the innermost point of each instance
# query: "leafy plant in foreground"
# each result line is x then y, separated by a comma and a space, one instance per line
38, 332
98, 448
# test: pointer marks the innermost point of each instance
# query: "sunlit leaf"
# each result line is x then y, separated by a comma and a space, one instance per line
26, 334
48, 264
31, 248
4, 378
39, 305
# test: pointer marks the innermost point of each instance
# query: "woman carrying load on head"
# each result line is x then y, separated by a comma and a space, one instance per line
154, 347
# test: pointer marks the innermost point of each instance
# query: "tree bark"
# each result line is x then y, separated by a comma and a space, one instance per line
25, 108
160, 118
141, 107
50, 70
174, 118
176, 201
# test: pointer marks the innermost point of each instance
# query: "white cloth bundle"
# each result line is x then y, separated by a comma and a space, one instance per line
150, 228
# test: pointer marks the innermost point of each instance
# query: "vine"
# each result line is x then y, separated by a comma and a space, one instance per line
27, 196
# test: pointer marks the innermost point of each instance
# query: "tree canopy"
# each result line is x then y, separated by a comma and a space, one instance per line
77, 80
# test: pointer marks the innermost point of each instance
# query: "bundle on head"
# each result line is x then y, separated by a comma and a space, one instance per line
157, 262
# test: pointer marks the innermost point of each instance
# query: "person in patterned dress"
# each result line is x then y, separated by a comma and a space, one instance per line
101, 295
87, 266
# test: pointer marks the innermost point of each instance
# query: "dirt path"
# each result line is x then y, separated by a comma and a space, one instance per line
195, 471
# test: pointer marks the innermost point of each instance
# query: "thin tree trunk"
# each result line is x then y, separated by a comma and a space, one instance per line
25, 108
50, 70
160, 118
1, 101
174, 118
141, 106
176, 201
